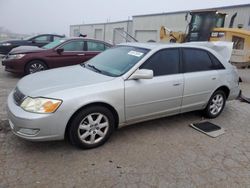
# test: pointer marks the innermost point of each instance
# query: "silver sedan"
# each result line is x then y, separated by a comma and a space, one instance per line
126, 84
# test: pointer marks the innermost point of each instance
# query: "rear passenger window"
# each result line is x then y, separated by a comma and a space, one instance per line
196, 60
73, 46
216, 62
164, 62
95, 46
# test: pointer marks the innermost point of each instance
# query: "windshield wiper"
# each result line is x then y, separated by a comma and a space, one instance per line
93, 67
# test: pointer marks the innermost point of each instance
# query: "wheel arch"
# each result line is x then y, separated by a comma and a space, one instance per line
36, 59
225, 89
106, 105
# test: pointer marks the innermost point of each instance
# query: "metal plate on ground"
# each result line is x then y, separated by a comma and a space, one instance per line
243, 98
208, 128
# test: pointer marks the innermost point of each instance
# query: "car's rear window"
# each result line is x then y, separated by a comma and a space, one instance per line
196, 60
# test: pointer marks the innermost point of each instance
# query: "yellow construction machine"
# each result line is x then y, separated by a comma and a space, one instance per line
210, 26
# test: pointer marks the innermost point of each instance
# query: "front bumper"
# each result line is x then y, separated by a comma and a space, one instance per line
14, 66
32, 126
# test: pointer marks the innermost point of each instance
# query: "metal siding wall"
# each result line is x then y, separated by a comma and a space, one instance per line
175, 22
107, 29
73, 28
117, 38
130, 28
99, 34
110, 33
146, 35
89, 30
243, 16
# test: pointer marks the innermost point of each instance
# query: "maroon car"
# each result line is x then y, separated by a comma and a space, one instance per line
62, 52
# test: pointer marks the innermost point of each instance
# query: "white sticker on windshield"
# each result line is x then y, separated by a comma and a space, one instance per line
134, 53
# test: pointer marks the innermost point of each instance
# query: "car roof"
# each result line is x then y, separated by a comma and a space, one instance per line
84, 38
49, 34
147, 45
153, 45
221, 50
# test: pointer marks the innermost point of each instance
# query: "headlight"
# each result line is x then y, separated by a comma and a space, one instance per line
214, 34
5, 44
16, 56
217, 34
40, 105
221, 34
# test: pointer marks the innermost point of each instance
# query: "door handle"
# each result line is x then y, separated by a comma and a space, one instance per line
177, 84
81, 54
214, 78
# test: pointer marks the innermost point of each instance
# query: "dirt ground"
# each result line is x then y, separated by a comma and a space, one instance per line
160, 153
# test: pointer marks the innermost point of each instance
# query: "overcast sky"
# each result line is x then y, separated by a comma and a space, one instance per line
55, 16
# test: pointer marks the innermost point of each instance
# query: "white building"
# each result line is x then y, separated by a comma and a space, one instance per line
147, 27
103, 31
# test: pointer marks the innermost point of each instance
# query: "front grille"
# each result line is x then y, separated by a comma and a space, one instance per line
18, 96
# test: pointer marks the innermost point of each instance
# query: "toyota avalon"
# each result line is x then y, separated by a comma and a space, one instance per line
126, 84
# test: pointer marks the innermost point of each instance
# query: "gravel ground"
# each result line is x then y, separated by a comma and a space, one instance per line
160, 153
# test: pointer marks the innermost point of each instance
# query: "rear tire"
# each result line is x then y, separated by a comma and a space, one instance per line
215, 104
91, 127
35, 66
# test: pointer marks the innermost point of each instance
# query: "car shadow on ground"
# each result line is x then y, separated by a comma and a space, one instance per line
8, 75
165, 121
15, 76
170, 123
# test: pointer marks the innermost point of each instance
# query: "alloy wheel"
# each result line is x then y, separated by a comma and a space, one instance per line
216, 104
93, 128
36, 67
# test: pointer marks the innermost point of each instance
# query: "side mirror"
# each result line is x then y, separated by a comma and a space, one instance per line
142, 74
33, 41
59, 50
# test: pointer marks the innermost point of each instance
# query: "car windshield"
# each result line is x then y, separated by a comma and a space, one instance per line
54, 44
116, 61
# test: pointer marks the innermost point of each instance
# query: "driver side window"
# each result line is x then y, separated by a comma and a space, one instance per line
164, 62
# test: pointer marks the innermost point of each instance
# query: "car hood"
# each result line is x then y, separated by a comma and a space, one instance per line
26, 49
56, 80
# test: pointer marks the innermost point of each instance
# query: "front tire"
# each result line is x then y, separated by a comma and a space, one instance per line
35, 66
91, 127
215, 104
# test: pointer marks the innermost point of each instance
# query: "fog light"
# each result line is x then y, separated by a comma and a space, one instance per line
30, 132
